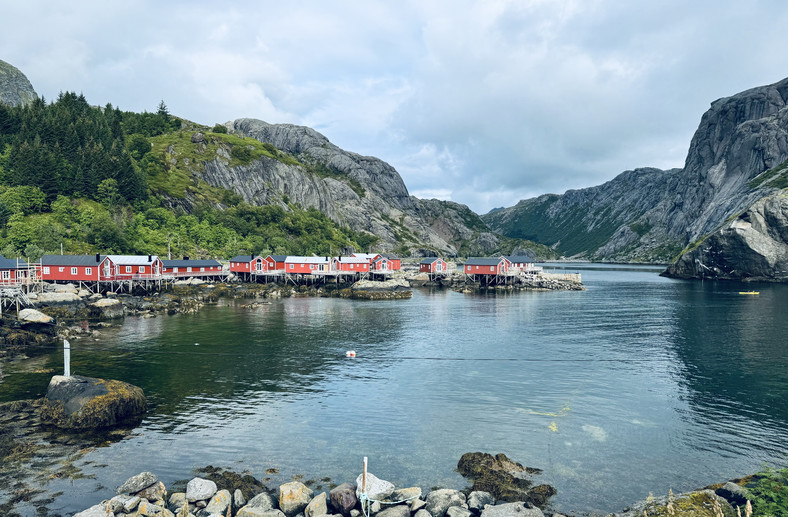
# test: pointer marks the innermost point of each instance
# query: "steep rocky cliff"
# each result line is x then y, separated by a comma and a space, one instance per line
649, 214
301, 166
752, 246
15, 89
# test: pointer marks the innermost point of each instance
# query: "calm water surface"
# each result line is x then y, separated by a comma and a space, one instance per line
638, 384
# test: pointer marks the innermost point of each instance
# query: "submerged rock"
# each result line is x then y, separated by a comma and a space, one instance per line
78, 402
505, 479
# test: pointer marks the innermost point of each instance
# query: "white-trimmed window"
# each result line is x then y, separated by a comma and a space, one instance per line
61, 269
492, 268
477, 267
6, 275
141, 269
74, 271
46, 270
175, 270
189, 269
128, 269
292, 266
202, 269
88, 270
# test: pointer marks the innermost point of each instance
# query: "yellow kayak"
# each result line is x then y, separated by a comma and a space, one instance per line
749, 292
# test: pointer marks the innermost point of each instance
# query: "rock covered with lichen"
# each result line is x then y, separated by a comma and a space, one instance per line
77, 402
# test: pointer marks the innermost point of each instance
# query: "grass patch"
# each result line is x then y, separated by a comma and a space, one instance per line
776, 177
768, 492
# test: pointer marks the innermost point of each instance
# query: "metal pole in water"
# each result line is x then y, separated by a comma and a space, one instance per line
66, 358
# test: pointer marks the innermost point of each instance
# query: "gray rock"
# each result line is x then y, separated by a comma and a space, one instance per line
219, 503
405, 494
15, 88
511, 510
417, 504
199, 489
343, 498
317, 506
376, 489
477, 500
398, 510
238, 498
263, 501
422, 513
34, 316
458, 511
176, 501
355, 512
294, 497
249, 511
137, 483
124, 503
98, 510
198, 138
732, 493
78, 402
56, 298
438, 501
155, 492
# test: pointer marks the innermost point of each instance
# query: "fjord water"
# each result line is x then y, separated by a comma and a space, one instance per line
639, 384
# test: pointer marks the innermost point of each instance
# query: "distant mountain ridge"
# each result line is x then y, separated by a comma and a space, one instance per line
650, 214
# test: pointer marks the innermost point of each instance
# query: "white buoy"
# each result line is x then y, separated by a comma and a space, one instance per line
350, 353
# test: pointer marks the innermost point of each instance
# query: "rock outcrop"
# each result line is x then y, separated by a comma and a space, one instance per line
78, 402
752, 246
651, 214
15, 88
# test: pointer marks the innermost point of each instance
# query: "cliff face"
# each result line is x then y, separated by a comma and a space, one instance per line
752, 246
649, 214
362, 192
15, 89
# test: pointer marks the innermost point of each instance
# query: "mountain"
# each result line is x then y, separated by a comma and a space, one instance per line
752, 246
650, 214
15, 89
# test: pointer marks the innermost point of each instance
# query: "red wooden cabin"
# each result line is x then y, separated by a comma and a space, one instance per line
72, 268
353, 264
15, 272
433, 265
486, 266
187, 268
394, 262
308, 265
276, 262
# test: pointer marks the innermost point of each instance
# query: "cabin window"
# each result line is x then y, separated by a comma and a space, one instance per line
128, 269
492, 268
46, 270
175, 270
74, 271
477, 267
88, 270
292, 266
188, 269
202, 269
141, 269
61, 269
351, 266
6, 275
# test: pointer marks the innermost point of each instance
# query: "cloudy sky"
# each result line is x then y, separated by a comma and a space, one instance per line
484, 103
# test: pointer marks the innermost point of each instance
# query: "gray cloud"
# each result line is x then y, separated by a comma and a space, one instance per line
484, 103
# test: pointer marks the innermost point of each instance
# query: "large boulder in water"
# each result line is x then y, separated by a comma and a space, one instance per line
78, 402
504, 478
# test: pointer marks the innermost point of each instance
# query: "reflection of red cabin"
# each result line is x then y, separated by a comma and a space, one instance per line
192, 268
486, 266
308, 265
276, 262
14, 272
432, 265
72, 268
353, 264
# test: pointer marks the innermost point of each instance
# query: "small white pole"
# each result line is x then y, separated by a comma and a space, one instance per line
66, 358
364, 477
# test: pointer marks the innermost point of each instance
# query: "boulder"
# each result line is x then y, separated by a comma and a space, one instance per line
34, 316
219, 503
138, 483
438, 501
56, 298
107, 308
518, 509
417, 504
695, 504
377, 489
458, 511
478, 499
732, 493
294, 497
98, 510
317, 506
405, 494
199, 489
343, 498
504, 478
250, 511
78, 402
238, 498
148, 509
198, 137
124, 503
422, 513
399, 510
263, 501
154, 493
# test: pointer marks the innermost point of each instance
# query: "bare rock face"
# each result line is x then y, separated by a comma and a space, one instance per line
15, 88
78, 402
753, 246
651, 214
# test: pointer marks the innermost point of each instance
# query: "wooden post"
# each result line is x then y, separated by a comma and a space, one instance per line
364, 477
66, 358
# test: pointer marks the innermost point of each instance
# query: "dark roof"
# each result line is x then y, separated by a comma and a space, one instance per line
191, 263
479, 261
6, 263
278, 258
389, 256
242, 258
429, 260
520, 258
71, 260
